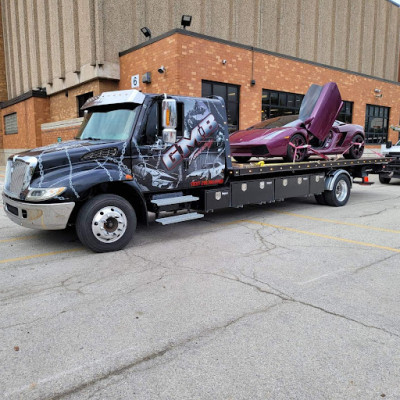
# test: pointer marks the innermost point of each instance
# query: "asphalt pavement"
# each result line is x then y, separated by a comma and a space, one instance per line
291, 300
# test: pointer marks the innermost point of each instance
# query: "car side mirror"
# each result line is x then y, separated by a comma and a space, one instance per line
169, 120
388, 144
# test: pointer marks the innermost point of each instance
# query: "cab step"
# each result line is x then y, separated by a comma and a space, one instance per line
179, 218
174, 200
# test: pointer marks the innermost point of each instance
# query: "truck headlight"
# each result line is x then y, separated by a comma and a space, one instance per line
42, 194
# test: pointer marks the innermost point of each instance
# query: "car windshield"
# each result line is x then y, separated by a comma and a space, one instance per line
277, 122
108, 124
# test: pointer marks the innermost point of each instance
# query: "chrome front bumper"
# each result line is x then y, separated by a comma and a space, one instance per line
38, 216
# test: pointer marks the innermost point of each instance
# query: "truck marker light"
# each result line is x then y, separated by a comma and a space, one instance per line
130, 177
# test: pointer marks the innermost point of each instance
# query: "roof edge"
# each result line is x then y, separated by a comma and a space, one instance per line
22, 97
251, 48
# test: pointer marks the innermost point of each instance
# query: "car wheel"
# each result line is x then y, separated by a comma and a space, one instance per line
341, 191
297, 140
356, 152
242, 159
106, 223
384, 179
320, 199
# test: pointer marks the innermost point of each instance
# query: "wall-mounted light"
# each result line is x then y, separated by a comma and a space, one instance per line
186, 21
162, 69
146, 78
377, 90
223, 62
146, 32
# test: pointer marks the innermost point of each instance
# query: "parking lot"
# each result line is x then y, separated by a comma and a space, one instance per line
291, 300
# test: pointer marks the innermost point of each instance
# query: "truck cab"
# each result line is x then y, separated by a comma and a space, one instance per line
131, 149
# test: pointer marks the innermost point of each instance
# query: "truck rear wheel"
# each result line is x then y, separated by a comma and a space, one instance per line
384, 179
105, 223
341, 191
320, 199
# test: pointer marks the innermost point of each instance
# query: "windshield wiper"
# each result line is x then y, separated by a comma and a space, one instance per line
91, 138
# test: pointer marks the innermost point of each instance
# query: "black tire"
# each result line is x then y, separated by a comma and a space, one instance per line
340, 194
355, 152
384, 179
320, 199
242, 159
115, 232
297, 140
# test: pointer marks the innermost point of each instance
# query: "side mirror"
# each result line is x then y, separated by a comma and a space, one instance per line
169, 120
388, 144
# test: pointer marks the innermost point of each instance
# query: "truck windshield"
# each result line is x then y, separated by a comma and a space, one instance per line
106, 124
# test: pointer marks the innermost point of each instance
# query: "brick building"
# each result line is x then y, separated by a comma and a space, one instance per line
261, 59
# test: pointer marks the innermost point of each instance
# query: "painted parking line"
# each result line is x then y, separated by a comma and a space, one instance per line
50, 253
14, 239
320, 235
332, 221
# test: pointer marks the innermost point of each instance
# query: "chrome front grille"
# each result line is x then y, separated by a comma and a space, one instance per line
18, 175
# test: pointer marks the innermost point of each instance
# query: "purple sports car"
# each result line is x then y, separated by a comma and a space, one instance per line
296, 137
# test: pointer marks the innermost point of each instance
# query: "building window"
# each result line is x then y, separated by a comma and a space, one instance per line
230, 93
81, 100
10, 124
346, 112
376, 124
275, 103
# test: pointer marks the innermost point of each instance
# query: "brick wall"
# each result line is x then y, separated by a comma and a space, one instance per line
31, 113
165, 52
3, 81
189, 60
50, 136
66, 107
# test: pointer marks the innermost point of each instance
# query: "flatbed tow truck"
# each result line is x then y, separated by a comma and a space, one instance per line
138, 153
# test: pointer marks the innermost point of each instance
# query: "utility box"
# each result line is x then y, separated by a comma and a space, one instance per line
292, 186
252, 192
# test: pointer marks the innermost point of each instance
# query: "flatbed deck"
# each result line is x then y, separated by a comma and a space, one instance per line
274, 166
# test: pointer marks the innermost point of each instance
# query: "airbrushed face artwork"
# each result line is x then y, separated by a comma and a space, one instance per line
202, 147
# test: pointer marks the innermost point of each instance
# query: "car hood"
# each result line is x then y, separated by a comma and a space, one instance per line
260, 136
70, 152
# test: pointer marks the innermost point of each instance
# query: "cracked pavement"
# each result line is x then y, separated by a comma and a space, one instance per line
218, 308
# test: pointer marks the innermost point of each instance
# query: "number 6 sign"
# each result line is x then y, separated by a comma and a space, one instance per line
134, 81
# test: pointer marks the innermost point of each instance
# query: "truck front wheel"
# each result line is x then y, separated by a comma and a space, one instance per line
106, 222
341, 191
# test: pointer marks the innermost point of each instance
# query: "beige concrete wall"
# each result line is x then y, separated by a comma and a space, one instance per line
58, 44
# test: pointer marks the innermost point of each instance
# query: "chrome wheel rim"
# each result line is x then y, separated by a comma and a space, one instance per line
341, 190
358, 150
109, 224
